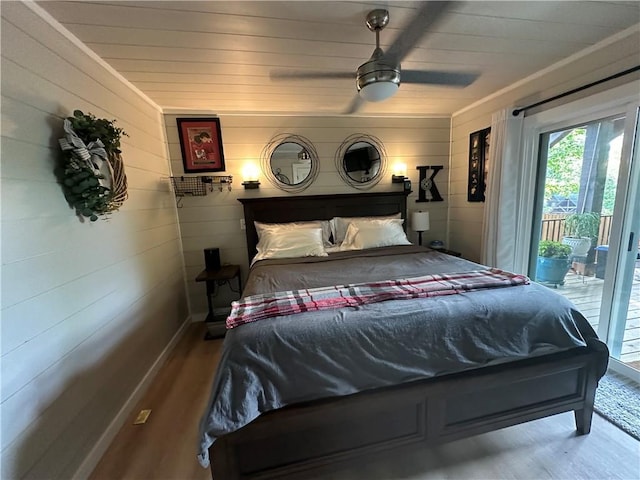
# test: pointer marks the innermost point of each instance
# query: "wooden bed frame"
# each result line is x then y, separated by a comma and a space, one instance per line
321, 435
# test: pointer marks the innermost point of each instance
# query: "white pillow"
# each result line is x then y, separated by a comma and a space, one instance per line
291, 243
371, 235
339, 225
283, 227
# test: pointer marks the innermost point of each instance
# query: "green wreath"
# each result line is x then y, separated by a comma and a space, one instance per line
91, 170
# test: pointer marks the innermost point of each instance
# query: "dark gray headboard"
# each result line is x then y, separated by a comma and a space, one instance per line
317, 207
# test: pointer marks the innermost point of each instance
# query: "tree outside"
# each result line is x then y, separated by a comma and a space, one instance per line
564, 167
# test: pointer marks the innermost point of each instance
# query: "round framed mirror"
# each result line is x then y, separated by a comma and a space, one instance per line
361, 161
290, 162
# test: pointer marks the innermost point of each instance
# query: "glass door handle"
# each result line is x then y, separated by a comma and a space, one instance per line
630, 246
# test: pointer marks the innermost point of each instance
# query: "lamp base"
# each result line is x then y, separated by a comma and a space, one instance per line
251, 184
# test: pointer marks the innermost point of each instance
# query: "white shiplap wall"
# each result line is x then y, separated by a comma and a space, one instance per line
87, 308
214, 220
466, 219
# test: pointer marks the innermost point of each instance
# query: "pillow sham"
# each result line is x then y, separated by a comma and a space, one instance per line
292, 243
339, 225
283, 227
374, 234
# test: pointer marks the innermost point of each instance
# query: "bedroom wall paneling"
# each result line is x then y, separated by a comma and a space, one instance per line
610, 56
214, 220
87, 308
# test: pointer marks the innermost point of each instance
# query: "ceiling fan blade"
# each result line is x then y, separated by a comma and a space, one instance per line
355, 105
426, 17
453, 79
308, 75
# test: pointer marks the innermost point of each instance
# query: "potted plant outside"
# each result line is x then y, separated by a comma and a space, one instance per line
581, 232
553, 262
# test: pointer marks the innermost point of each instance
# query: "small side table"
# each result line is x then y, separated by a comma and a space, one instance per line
214, 279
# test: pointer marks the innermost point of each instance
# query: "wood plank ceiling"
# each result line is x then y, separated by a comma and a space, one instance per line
217, 56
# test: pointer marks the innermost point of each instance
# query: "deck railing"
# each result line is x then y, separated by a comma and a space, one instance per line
553, 227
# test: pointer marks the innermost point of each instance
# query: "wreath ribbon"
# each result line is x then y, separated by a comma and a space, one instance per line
84, 152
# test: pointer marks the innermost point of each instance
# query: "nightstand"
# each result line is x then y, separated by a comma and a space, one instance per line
449, 252
214, 279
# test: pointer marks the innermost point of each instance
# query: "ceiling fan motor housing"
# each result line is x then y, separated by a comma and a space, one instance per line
377, 80
377, 76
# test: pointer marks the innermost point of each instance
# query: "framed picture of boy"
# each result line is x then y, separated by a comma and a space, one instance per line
201, 144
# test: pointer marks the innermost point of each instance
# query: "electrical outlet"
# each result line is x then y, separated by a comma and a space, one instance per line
142, 417
242, 224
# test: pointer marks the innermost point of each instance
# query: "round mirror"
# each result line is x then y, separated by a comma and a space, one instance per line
290, 162
361, 161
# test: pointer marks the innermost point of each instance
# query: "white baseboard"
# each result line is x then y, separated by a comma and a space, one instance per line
98, 450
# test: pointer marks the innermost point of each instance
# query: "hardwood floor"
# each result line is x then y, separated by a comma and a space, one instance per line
165, 447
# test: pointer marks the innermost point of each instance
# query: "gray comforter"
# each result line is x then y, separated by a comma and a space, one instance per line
285, 360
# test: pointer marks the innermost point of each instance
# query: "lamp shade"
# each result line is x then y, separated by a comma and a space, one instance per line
250, 172
420, 221
400, 169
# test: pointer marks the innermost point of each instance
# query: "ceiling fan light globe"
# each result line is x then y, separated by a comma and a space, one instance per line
377, 81
378, 91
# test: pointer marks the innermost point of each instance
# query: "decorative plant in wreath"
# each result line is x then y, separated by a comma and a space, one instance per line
92, 171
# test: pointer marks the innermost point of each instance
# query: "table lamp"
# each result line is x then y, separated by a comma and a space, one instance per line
420, 223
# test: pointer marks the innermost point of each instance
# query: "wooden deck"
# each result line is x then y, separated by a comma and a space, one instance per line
586, 293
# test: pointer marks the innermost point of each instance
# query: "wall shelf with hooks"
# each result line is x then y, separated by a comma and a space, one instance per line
197, 186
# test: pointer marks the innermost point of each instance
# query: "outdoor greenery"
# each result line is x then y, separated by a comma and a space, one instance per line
581, 225
90, 149
564, 165
551, 249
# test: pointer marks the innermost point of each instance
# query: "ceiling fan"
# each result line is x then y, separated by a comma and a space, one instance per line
379, 77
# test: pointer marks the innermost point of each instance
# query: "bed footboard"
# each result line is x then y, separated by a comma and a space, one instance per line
321, 435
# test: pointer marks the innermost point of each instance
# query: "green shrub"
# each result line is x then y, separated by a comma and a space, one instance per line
551, 249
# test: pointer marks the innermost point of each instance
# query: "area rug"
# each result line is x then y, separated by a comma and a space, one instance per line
618, 401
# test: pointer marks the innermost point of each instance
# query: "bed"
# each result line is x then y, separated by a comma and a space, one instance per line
281, 419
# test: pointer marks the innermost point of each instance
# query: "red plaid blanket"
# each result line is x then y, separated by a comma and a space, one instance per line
257, 307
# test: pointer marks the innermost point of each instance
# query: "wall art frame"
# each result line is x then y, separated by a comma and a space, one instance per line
478, 164
201, 144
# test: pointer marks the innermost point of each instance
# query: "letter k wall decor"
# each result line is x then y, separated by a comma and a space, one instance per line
428, 191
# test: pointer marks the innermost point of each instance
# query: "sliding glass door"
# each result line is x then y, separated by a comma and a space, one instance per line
622, 328
587, 212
